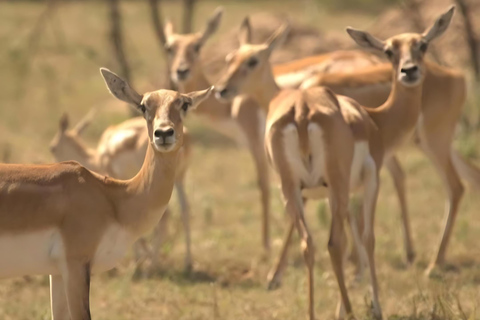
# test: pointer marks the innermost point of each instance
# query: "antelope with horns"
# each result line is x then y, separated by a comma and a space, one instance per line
120, 154
323, 145
67, 221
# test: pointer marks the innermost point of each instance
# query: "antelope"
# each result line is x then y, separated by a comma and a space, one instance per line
67, 221
243, 120
324, 145
119, 154
443, 97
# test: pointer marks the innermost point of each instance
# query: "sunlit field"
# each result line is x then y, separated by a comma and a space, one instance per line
42, 76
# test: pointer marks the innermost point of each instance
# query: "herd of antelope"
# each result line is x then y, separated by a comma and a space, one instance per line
326, 124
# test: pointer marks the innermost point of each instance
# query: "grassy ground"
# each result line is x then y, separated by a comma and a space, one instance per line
39, 80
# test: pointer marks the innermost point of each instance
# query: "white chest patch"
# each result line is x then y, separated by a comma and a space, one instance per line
30, 253
112, 248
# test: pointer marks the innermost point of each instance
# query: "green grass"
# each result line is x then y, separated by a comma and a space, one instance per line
230, 269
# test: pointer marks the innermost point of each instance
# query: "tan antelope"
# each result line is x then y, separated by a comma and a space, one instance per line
243, 120
67, 221
323, 145
443, 98
120, 154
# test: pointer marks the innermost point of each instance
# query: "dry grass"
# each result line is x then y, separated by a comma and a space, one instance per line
230, 270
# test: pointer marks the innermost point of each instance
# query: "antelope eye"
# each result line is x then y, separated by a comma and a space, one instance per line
389, 53
423, 47
169, 49
185, 106
196, 48
143, 108
252, 62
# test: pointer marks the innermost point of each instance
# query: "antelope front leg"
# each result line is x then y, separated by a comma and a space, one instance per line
58, 298
252, 121
371, 184
159, 234
261, 166
76, 279
436, 147
185, 212
398, 176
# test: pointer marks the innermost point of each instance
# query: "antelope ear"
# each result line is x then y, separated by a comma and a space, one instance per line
278, 38
365, 39
64, 122
197, 97
168, 29
120, 89
212, 24
245, 34
440, 25
85, 122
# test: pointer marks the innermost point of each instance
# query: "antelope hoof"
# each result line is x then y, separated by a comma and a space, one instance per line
113, 273
188, 267
433, 271
376, 311
411, 257
273, 282
139, 274
359, 276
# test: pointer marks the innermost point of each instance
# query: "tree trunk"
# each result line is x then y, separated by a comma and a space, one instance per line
188, 9
473, 42
162, 39
116, 37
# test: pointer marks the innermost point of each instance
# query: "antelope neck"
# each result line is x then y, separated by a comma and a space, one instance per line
149, 190
268, 89
399, 114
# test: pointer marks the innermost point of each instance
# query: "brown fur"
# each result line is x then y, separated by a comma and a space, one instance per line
385, 128
244, 113
82, 205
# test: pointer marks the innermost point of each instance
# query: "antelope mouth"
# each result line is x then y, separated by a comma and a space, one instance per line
164, 146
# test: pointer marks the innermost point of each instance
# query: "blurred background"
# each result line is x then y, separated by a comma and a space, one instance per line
50, 53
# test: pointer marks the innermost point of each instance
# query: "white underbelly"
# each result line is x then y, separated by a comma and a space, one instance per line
30, 254
43, 252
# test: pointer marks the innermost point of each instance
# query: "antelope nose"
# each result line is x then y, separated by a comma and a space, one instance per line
182, 73
409, 70
164, 133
